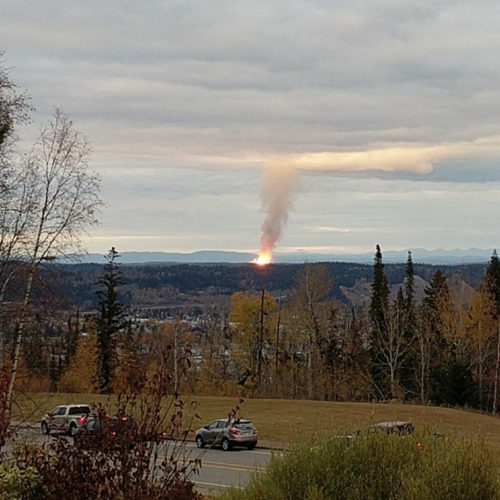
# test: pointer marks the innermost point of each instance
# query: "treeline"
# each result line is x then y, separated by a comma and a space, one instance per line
159, 283
441, 349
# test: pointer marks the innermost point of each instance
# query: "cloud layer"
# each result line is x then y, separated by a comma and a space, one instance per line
185, 102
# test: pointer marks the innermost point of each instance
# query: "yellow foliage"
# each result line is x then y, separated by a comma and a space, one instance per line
480, 323
128, 373
80, 374
255, 319
26, 383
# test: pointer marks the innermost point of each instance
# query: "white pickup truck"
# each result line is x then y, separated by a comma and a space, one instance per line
66, 418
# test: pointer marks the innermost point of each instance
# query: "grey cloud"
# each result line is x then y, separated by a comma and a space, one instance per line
182, 208
304, 71
423, 214
466, 172
217, 87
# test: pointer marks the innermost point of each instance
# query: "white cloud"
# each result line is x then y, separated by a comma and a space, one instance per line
419, 159
330, 229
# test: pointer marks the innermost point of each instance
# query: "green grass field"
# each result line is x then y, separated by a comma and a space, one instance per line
285, 422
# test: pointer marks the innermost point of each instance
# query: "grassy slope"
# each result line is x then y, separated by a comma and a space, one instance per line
281, 422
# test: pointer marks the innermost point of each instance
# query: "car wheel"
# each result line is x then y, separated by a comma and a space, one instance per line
226, 445
251, 446
45, 428
199, 442
72, 430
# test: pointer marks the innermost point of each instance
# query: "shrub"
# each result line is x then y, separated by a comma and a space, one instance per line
18, 481
140, 462
379, 467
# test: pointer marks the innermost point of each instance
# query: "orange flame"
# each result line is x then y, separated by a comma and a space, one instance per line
264, 258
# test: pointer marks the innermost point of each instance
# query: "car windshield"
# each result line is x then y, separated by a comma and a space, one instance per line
244, 425
93, 424
79, 410
96, 424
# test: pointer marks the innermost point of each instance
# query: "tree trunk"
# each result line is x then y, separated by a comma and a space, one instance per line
497, 367
176, 376
309, 372
2, 295
20, 331
393, 381
480, 375
260, 341
276, 354
423, 364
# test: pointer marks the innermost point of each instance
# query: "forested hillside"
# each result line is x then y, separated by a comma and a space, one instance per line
159, 283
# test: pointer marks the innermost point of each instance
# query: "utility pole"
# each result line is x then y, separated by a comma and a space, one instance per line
176, 379
276, 354
261, 339
497, 366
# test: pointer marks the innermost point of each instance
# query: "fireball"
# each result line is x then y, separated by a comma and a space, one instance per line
263, 259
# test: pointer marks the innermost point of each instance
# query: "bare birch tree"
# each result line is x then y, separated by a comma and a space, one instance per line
393, 344
14, 109
14, 198
65, 202
16, 206
309, 300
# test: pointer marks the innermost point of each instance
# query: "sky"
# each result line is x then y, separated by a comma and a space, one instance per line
385, 115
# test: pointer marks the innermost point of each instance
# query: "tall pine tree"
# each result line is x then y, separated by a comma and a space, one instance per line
379, 304
379, 317
109, 321
410, 370
492, 279
410, 292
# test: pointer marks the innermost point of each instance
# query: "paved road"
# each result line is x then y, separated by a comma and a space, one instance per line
220, 469
223, 469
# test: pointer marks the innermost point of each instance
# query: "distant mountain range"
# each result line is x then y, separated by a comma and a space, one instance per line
419, 255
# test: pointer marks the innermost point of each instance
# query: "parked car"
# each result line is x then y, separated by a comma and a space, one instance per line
91, 431
155, 436
65, 418
126, 423
102, 431
399, 427
227, 433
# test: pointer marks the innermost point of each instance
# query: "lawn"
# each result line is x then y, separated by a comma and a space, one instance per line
283, 422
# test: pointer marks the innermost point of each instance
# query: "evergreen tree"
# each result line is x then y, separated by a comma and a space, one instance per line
379, 317
379, 304
109, 321
492, 278
410, 292
456, 385
409, 372
436, 293
447, 368
431, 343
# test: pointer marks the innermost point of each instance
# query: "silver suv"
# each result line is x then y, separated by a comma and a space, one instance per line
66, 418
227, 433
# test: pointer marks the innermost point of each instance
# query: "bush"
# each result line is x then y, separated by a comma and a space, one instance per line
18, 481
379, 467
146, 461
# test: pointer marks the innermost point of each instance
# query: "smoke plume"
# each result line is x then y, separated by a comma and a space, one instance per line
278, 184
